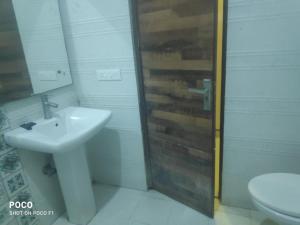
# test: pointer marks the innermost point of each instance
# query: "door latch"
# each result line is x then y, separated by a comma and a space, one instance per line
206, 91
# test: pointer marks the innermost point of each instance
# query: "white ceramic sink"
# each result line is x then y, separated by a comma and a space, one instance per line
64, 136
69, 128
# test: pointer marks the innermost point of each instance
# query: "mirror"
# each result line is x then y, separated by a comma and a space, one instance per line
33, 56
14, 76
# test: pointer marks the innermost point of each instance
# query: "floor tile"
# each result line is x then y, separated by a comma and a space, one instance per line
119, 203
136, 223
110, 221
155, 194
121, 206
152, 211
62, 221
225, 219
257, 218
233, 210
226, 215
103, 193
183, 215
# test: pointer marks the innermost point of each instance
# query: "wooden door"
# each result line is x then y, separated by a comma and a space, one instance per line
15, 81
176, 47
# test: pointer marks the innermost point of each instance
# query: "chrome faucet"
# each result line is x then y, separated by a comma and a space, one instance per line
46, 107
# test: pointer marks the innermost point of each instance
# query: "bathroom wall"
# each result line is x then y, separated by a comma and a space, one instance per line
99, 37
26, 176
262, 102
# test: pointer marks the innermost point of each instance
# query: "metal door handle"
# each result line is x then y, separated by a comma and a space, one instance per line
206, 91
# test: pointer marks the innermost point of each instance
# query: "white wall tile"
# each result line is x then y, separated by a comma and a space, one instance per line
262, 103
115, 158
89, 85
235, 190
99, 37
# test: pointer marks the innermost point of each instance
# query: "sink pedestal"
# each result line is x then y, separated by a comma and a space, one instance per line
75, 182
64, 136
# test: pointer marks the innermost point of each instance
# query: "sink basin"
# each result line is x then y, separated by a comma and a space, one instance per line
69, 128
64, 136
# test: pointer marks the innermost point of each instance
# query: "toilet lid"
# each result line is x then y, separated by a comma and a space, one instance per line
278, 191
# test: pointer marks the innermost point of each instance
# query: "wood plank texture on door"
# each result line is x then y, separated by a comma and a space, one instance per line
176, 46
15, 82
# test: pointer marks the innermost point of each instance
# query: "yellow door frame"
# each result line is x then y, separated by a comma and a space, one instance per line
220, 28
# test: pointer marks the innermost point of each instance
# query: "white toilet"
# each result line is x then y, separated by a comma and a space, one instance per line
277, 195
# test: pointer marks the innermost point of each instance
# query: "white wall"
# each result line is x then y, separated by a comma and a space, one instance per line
262, 105
45, 190
99, 37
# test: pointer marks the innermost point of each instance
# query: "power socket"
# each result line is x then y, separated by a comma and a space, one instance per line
109, 75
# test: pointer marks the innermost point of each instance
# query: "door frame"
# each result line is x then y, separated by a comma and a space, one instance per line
223, 86
141, 96
140, 88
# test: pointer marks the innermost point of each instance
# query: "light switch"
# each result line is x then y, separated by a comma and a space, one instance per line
109, 75
48, 75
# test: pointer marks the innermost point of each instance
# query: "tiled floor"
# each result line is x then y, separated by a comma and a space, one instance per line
121, 206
